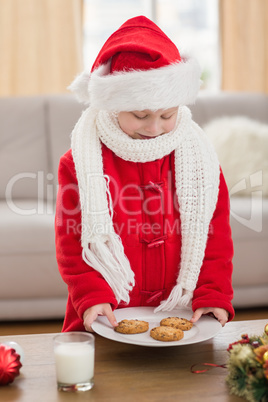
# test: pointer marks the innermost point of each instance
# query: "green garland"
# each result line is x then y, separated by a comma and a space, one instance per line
248, 367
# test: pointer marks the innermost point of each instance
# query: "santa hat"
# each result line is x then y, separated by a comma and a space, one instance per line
138, 68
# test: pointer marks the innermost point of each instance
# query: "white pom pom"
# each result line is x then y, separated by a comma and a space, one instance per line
80, 87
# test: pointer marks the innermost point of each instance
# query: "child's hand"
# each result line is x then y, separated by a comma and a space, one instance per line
92, 313
221, 314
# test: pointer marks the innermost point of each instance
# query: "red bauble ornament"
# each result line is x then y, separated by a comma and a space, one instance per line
9, 364
255, 344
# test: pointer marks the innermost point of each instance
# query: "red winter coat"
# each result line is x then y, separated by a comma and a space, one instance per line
147, 218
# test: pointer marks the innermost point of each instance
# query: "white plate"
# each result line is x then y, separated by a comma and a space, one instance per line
205, 328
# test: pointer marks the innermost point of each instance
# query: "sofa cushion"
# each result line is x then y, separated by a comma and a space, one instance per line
249, 223
210, 105
63, 112
249, 218
32, 309
26, 227
23, 146
27, 252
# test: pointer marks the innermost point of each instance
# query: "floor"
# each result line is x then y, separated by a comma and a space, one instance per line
37, 327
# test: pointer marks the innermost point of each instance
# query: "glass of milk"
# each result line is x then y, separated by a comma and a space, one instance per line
74, 357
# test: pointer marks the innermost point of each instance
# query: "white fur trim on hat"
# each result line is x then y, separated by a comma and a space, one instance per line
79, 87
161, 88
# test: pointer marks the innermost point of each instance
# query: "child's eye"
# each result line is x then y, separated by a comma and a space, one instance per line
139, 117
166, 117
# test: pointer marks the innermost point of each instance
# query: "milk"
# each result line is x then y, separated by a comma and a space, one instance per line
74, 362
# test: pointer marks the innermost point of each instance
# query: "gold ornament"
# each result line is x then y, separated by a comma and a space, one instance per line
265, 356
266, 329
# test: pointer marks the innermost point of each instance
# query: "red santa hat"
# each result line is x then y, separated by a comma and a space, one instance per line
138, 68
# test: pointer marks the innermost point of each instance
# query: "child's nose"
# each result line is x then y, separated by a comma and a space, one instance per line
154, 127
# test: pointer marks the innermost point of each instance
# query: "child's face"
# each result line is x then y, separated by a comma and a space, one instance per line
145, 124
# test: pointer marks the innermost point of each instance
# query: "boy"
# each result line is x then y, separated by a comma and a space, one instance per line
144, 185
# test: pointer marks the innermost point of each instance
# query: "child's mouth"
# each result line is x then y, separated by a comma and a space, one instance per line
145, 137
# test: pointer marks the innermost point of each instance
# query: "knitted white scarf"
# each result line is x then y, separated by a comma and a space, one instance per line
197, 184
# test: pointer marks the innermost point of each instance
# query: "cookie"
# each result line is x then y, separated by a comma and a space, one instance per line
176, 322
166, 334
132, 327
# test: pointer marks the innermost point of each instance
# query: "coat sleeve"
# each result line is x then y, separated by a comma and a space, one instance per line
214, 286
86, 286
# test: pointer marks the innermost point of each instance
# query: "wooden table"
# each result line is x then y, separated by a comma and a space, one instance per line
131, 373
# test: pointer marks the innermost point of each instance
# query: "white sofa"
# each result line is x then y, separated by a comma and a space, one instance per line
34, 133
